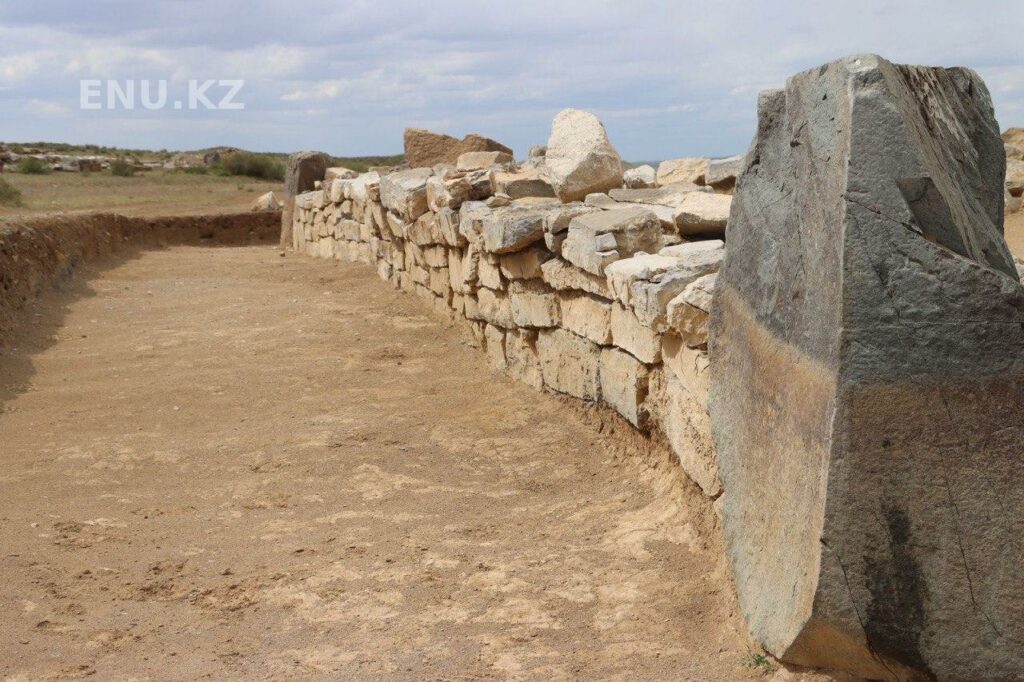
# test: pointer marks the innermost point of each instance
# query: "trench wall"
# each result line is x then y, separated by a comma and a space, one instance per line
38, 253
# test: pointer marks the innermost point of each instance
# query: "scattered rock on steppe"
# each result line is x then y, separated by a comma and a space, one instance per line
266, 202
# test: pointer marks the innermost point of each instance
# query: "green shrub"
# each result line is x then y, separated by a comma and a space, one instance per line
195, 170
9, 194
121, 168
251, 165
33, 166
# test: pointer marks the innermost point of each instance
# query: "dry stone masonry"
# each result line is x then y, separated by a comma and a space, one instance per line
578, 294
859, 417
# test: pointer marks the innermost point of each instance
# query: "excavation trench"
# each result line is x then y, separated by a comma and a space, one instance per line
217, 461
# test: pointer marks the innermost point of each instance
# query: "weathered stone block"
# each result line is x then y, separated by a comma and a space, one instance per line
867, 338
495, 308
624, 385
691, 366
579, 158
598, 239
561, 275
494, 346
684, 421
569, 364
525, 183
689, 170
469, 161
522, 360
703, 214
586, 315
533, 304
630, 335
524, 264
405, 192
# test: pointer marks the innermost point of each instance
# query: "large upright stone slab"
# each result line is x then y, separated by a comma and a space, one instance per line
867, 396
301, 172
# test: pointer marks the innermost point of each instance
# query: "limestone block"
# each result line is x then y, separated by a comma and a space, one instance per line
867, 392
266, 202
471, 217
689, 170
469, 161
703, 214
424, 148
495, 308
397, 227
579, 158
722, 173
640, 177
533, 304
494, 338
338, 173
562, 275
597, 239
524, 264
423, 232
435, 256
628, 334
365, 188
670, 195
624, 385
528, 182
442, 194
439, 282
512, 228
569, 364
522, 360
471, 307
447, 222
489, 273
586, 315
690, 366
684, 421
405, 192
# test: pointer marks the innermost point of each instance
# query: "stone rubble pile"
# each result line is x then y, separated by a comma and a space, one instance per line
570, 274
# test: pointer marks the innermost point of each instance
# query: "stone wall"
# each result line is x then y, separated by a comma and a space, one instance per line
598, 299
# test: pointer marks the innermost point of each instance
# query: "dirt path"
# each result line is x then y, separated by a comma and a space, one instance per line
215, 462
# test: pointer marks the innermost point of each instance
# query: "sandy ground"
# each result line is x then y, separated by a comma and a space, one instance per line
220, 463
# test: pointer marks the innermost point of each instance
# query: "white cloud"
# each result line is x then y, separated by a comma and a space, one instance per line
669, 77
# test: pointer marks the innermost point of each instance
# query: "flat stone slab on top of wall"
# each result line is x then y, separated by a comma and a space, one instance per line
867, 393
424, 148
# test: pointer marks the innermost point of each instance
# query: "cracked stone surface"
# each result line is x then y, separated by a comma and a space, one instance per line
867, 394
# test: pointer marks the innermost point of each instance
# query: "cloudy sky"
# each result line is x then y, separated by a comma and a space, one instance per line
346, 76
